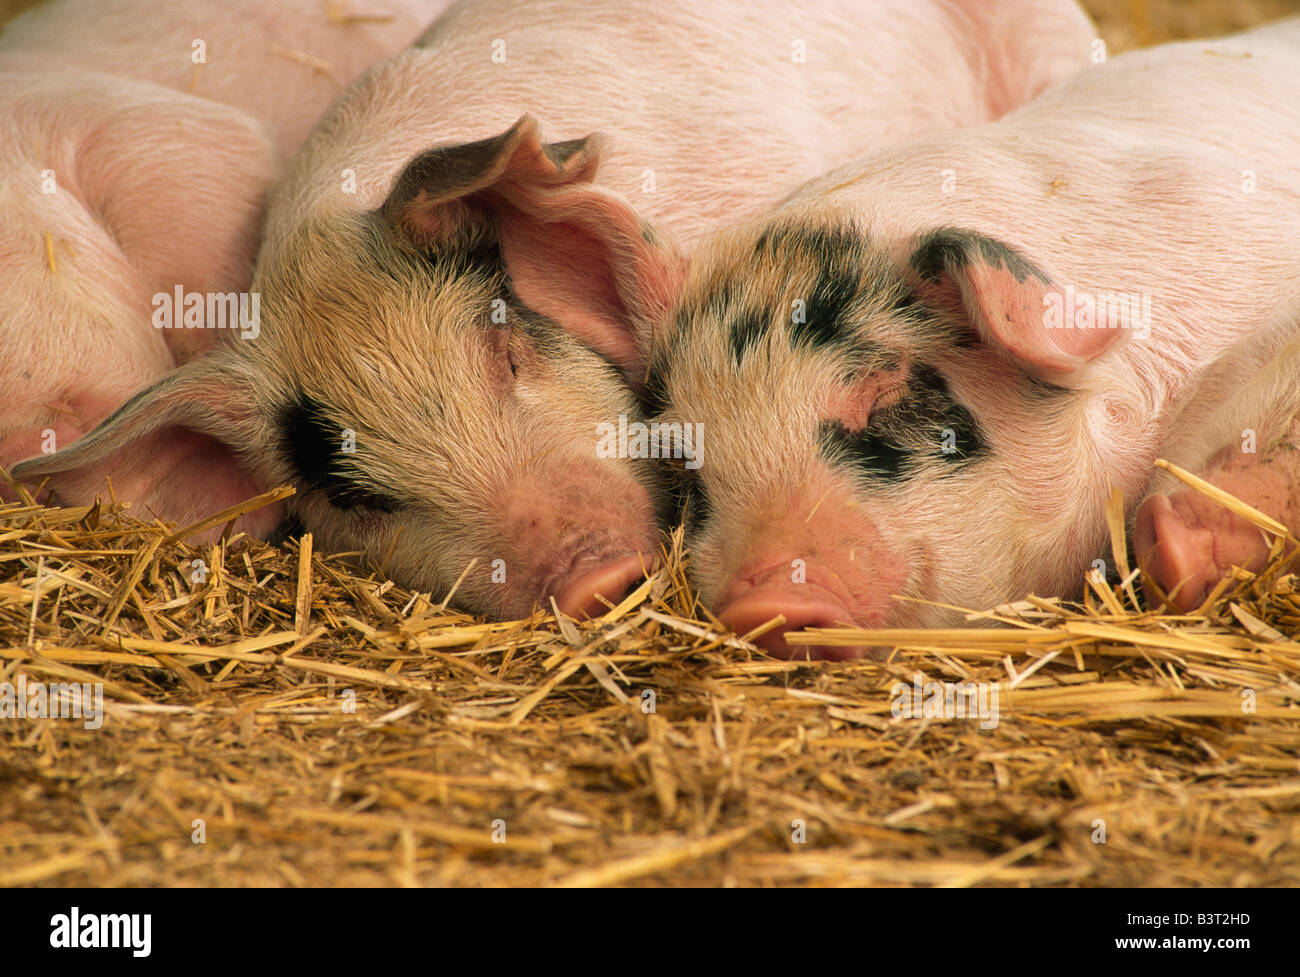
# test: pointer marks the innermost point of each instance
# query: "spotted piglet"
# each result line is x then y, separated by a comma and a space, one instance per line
447, 293
919, 379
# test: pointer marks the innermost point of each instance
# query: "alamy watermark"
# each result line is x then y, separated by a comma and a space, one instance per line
77, 930
180, 309
683, 441
1071, 308
53, 700
926, 699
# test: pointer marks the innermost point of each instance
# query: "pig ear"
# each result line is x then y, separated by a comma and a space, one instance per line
175, 450
1011, 304
445, 188
584, 259
575, 252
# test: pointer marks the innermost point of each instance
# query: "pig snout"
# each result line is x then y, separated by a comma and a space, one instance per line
1187, 542
593, 575
803, 605
1176, 545
843, 580
581, 546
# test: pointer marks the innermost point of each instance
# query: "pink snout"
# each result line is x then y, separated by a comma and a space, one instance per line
1187, 543
578, 594
1178, 556
803, 606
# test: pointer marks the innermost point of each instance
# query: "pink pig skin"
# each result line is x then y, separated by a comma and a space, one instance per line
742, 123
160, 169
281, 61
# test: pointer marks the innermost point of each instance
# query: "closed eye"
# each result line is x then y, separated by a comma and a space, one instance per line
675, 444
890, 398
503, 357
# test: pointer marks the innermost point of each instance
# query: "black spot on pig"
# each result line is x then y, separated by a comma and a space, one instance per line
730, 306
823, 244
868, 453
313, 445
836, 255
927, 424
931, 405
747, 329
825, 320
776, 239
951, 249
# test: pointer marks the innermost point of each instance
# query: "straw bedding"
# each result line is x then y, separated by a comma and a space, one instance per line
316, 725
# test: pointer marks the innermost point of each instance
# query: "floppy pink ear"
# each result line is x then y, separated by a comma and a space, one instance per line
1011, 304
583, 258
177, 450
576, 253
443, 189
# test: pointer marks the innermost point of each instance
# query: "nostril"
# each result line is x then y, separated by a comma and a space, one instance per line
579, 595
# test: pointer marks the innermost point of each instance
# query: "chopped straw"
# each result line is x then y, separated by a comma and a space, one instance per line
330, 728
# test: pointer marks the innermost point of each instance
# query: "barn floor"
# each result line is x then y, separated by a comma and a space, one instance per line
273, 719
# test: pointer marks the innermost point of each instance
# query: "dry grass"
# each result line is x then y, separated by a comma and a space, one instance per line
329, 728
332, 729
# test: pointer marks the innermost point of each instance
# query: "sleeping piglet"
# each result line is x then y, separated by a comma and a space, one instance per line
140, 139
453, 268
921, 376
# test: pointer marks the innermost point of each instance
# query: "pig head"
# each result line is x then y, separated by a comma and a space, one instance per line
445, 419
889, 427
1242, 435
133, 175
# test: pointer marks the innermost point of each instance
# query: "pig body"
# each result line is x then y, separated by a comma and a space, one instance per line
120, 185
282, 62
716, 114
922, 375
445, 326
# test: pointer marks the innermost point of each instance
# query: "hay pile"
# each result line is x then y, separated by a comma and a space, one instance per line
328, 728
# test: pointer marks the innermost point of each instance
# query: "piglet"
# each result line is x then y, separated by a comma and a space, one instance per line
454, 266
919, 379
140, 140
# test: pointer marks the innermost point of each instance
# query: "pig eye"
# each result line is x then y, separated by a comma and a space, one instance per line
890, 398
503, 359
670, 446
